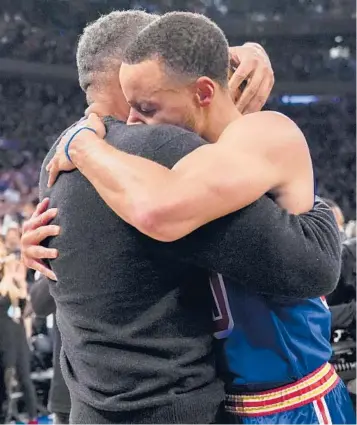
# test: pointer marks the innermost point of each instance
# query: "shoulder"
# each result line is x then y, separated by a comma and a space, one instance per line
269, 117
269, 135
152, 141
170, 135
271, 125
161, 134
168, 144
48, 157
281, 136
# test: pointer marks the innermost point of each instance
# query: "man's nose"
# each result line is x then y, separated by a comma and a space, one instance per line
134, 118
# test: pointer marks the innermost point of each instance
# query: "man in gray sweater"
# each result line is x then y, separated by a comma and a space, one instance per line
135, 314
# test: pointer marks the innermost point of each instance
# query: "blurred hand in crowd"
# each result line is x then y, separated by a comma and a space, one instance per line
15, 271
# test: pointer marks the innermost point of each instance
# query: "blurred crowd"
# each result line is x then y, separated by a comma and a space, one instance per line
317, 59
45, 10
45, 31
330, 127
31, 116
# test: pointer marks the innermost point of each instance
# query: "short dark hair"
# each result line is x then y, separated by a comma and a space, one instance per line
189, 44
101, 46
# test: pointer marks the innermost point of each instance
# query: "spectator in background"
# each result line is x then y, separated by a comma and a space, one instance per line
13, 342
12, 239
43, 304
7, 342
342, 300
340, 219
27, 210
350, 229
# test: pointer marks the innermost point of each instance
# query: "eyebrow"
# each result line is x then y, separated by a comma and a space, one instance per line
139, 101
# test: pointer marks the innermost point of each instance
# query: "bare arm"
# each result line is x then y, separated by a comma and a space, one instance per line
212, 181
262, 232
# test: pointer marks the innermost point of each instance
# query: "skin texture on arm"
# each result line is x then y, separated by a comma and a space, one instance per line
259, 153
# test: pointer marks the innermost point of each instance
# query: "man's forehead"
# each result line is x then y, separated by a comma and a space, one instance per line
145, 78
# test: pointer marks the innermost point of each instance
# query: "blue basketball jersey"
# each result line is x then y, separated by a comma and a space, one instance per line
265, 341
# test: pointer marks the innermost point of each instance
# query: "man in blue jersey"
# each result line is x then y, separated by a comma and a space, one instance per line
275, 352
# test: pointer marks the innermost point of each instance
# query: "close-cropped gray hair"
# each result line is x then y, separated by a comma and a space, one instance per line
188, 44
101, 46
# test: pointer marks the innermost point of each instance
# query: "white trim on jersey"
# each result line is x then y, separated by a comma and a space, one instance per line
322, 412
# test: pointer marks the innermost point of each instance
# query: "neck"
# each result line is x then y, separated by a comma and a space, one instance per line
221, 115
108, 100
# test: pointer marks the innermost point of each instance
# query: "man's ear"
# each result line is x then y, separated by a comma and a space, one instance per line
204, 91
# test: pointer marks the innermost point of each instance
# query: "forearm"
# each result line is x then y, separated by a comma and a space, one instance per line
19, 292
169, 204
288, 255
28, 328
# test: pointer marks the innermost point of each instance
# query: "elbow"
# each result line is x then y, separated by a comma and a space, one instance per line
332, 276
324, 277
330, 267
152, 219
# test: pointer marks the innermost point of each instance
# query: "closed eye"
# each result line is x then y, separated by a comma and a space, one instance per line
144, 110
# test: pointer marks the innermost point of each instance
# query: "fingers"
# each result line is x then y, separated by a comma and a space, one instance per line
96, 123
32, 252
41, 212
241, 74
252, 88
261, 97
39, 252
87, 112
49, 165
255, 68
36, 236
93, 117
52, 174
41, 207
43, 219
40, 267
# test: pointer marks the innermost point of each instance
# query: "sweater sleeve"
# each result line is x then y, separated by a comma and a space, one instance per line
260, 247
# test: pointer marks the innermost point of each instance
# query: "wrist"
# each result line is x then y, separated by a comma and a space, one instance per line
81, 145
85, 150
